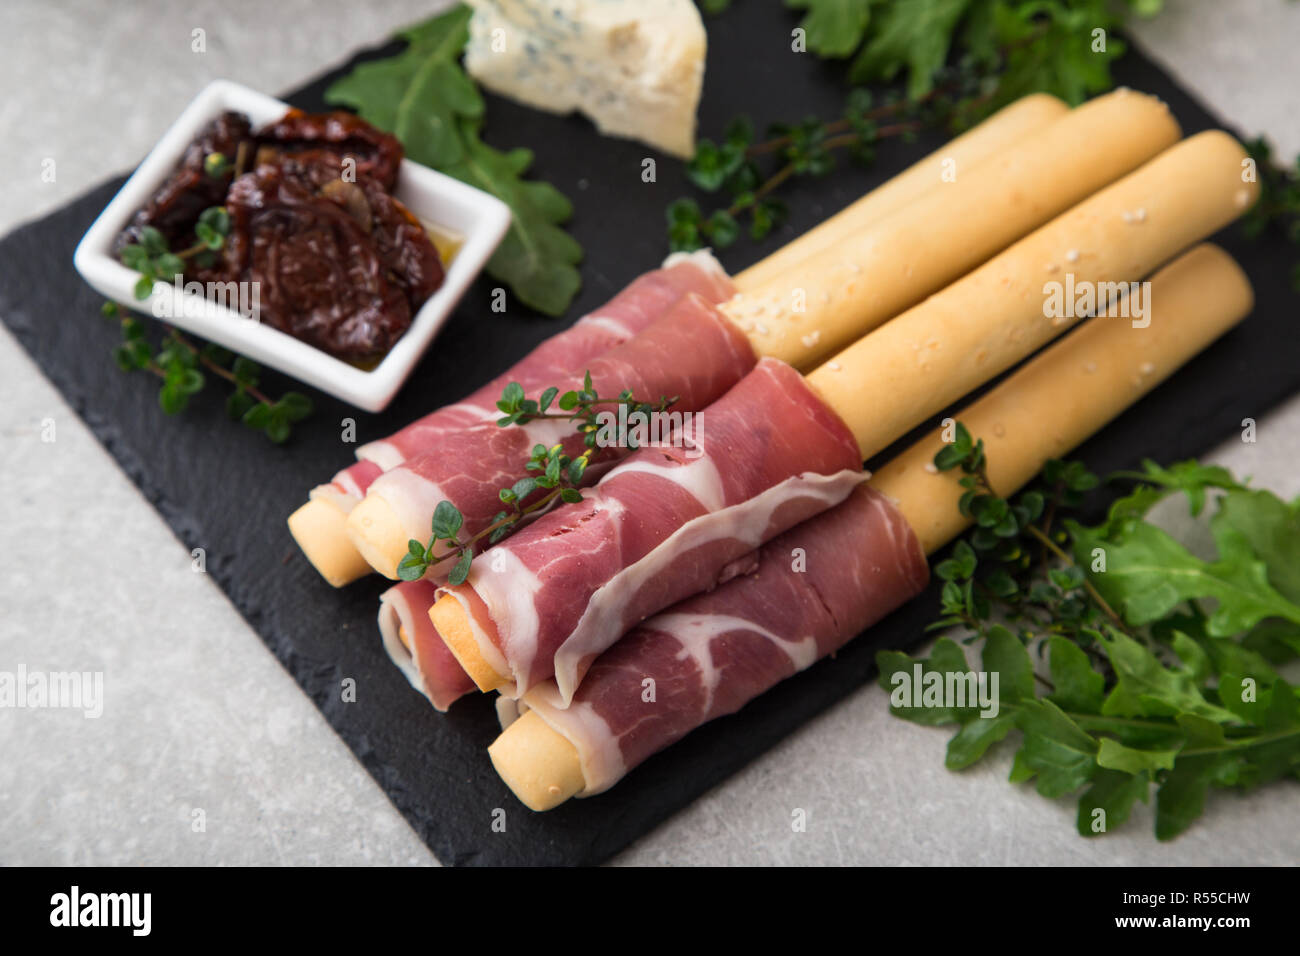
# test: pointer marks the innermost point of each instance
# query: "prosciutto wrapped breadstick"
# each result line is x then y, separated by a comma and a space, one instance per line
691, 354
413, 644
857, 286
550, 599
708, 656
320, 526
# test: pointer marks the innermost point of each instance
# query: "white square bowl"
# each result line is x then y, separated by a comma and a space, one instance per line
440, 200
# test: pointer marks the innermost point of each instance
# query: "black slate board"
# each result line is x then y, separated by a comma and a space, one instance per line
227, 490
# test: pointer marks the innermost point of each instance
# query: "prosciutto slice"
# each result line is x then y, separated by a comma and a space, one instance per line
632, 310
666, 523
693, 354
808, 593
421, 656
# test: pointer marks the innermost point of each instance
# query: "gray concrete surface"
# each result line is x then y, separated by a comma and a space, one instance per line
200, 717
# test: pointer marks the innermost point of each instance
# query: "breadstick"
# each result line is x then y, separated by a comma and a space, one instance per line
823, 303
940, 350
1005, 128
1073, 389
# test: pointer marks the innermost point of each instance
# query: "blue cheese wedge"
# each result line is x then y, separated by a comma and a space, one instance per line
635, 68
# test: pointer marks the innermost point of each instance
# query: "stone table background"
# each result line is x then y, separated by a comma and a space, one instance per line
200, 715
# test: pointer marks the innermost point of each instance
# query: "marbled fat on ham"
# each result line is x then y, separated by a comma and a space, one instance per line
713, 653
632, 310
666, 523
426, 662
693, 354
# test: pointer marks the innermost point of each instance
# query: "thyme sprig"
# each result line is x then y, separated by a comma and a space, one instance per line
554, 472
550, 470
183, 366
154, 260
1279, 199
803, 149
577, 405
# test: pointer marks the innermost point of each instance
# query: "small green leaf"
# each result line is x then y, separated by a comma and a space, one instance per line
723, 230
412, 567
246, 372
277, 427
1059, 752
238, 404
258, 416
295, 406
975, 738
523, 488
447, 521
1115, 756
172, 399
461, 571
153, 241
1078, 688
1114, 793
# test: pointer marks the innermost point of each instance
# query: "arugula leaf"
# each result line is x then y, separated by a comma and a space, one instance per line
1078, 687
1144, 686
1059, 752
915, 35
1148, 574
1268, 527
833, 28
424, 98
536, 257
419, 94
1114, 793
975, 738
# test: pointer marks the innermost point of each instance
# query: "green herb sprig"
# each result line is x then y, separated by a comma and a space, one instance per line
947, 63
1279, 199
578, 405
549, 470
803, 149
183, 368
554, 472
156, 262
1162, 669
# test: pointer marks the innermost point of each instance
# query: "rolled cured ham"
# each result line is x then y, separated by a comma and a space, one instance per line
803, 596
320, 529
707, 656
882, 386
692, 355
414, 646
661, 526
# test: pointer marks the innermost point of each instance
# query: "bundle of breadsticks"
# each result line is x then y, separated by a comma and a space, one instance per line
672, 572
